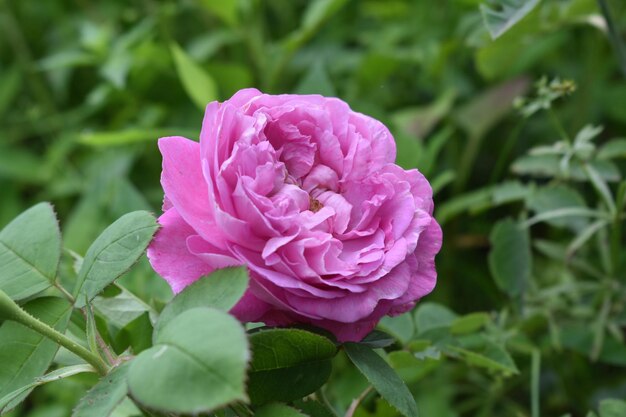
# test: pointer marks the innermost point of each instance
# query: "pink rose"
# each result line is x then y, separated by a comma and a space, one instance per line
305, 193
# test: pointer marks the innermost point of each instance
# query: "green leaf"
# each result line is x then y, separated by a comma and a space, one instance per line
122, 309
55, 375
383, 378
612, 408
543, 166
378, 339
30, 250
470, 323
315, 15
198, 83
511, 12
105, 396
221, 290
198, 364
26, 354
417, 122
278, 410
490, 356
133, 135
616, 148
113, 253
401, 327
316, 81
431, 315
510, 259
557, 197
288, 364
227, 10
314, 408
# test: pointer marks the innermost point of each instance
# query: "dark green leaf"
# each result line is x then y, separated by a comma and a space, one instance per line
114, 252
30, 250
221, 290
288, 364
510, 259
378, 339
383, 378
24, 353
198, 364
314, 408
105, 396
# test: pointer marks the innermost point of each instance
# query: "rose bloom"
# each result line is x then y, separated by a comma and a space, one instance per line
305, 193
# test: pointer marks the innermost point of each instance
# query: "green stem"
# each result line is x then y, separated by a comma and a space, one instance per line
9, 310
558, 126
535, 369
241, 409
616, 40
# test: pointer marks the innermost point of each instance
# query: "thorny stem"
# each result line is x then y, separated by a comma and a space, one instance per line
11, 311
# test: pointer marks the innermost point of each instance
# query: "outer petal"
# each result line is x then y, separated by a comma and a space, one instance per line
184, 184
169, 256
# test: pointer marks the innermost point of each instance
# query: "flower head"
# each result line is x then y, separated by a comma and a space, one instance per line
305, 193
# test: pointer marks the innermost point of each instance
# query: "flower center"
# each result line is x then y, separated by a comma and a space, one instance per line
314, 205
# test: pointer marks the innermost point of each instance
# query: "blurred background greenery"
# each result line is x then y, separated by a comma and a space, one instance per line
86, 88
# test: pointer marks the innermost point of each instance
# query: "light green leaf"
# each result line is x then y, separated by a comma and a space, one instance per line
198, 83
401, 327
317, 81
491, 356
316, 14
417, 122
26, 354
543, 166
198, 364
511, 12
555, 197
383, 378
288, 364
105, 396
278, 410
612, 408
122, 309
227, 10
510, 259
113, 253
469, 323
30, 250
615, 148
222, 289
55, 375
431, 315
134, 135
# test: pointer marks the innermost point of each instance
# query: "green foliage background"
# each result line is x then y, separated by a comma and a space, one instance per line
86, 88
